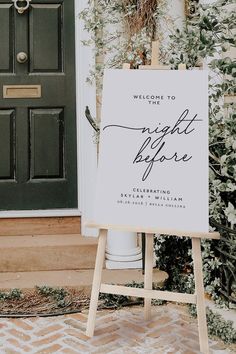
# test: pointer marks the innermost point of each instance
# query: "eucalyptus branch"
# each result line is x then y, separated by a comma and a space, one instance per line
214, 157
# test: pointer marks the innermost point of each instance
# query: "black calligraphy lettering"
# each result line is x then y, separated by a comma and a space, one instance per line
154, 148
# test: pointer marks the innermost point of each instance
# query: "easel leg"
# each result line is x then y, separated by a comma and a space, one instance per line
148, 274
96, 282
199, 290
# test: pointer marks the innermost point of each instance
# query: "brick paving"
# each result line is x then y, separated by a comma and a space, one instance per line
124, 331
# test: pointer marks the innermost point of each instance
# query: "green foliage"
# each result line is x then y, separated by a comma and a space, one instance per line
221, 328
206, 38
204, 35
173, 255
122, 31
210, 34
217, 325
57, 294
14, 294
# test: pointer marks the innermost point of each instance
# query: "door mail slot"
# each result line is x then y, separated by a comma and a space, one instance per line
21, 91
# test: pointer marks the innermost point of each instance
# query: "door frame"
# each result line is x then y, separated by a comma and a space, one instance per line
86, 148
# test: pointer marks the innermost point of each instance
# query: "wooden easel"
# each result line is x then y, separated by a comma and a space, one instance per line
147, 293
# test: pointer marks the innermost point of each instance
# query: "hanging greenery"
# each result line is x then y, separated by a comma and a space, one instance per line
122, 31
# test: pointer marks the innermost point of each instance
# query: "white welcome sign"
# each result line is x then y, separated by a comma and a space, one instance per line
153, 158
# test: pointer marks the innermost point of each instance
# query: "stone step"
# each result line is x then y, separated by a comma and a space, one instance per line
40, 226
47, 252
81, 279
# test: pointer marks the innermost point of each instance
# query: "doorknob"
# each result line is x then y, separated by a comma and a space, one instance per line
23, 8
21, 57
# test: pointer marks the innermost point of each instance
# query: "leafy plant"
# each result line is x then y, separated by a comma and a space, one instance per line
14, 294
58, 294
122, 31
217, 325
207, 37
221, 328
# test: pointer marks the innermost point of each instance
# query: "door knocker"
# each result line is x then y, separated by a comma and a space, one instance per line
23, 8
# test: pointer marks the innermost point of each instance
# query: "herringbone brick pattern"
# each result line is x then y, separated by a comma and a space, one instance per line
124, 331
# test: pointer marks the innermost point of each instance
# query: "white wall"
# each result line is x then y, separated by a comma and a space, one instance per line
177, 11
86, 96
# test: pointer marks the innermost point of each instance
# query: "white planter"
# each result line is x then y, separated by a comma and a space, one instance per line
122, 250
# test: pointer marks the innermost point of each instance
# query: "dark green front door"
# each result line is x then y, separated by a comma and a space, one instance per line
37, 106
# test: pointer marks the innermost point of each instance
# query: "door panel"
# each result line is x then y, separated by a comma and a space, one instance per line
7, 38
38, 135
7, 144
47, 143
45, 38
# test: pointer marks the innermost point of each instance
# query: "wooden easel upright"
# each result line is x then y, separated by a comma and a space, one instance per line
147, 293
